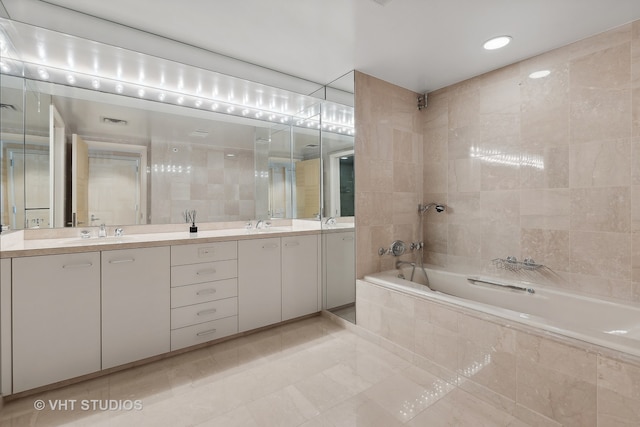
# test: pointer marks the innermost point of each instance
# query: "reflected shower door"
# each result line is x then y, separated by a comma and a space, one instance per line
29, 188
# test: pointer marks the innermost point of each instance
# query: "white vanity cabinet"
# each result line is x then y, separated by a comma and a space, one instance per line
204, 293
135, 304
56, 318
339, 268
300, 276
259, 283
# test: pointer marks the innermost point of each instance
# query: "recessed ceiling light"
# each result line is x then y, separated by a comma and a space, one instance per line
497, 42
539, 74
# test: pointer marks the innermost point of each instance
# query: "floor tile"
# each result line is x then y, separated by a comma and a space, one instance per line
312, 373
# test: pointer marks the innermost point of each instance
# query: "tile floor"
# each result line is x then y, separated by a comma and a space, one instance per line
311, 373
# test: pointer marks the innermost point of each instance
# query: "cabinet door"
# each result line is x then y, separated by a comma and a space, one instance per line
340, 269
299, 276
259, 283
135, 304
5, 326
56, 318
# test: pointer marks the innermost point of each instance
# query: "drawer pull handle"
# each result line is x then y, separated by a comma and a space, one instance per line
209, 332
270, 246
83, 265
347, 238
292, 244
206, 251
206, 291
206, 312
206, 272
122, 261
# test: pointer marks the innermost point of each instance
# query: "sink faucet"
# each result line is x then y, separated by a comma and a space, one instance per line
103, 231
118, 232
259, 224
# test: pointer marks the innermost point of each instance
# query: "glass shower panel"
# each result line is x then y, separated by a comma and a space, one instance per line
12, 152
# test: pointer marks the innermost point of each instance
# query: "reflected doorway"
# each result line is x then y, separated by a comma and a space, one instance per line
106, 173
114, 191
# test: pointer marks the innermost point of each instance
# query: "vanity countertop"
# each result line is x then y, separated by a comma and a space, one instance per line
14, 245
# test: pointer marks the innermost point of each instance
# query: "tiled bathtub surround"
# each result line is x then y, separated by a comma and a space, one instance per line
537, 379
545, 168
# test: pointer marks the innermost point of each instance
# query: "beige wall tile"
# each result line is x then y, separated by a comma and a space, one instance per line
486, 355
545, 167
464, 175
549, 247
608, 69
599, 114
600, 164
635, 54
601, 209
601, 254
635, 111
465, 240
618, 393
556, 380
545, 209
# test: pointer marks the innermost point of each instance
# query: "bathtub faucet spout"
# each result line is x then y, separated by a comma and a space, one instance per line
401, 263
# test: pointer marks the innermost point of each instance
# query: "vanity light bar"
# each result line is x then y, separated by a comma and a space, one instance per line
308, 118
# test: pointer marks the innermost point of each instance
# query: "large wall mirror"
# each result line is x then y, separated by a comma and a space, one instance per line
76, 154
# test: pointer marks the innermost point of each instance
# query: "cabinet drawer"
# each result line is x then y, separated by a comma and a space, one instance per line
203, 292
197, 334
203, 252
205, 272
200, 313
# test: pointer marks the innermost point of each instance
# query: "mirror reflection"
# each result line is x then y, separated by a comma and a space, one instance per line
78, 158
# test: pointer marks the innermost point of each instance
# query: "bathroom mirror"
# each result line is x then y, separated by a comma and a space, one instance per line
149, 161
141, 148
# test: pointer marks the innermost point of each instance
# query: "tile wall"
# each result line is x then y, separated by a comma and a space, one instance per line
546, 168
389, 185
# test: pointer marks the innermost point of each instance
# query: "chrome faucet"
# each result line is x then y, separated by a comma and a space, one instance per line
118, 232
103, 231
259, 224
330, 221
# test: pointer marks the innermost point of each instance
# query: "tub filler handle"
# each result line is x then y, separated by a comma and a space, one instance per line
476, 280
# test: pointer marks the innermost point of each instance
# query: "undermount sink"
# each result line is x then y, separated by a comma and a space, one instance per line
272, 229
338, 225
100, 240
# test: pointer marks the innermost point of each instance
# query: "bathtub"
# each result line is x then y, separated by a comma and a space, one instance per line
604, 323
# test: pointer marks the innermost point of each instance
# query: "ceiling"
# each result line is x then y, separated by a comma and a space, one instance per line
421, 45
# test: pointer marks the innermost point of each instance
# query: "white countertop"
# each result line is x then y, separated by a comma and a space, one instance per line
21, 244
